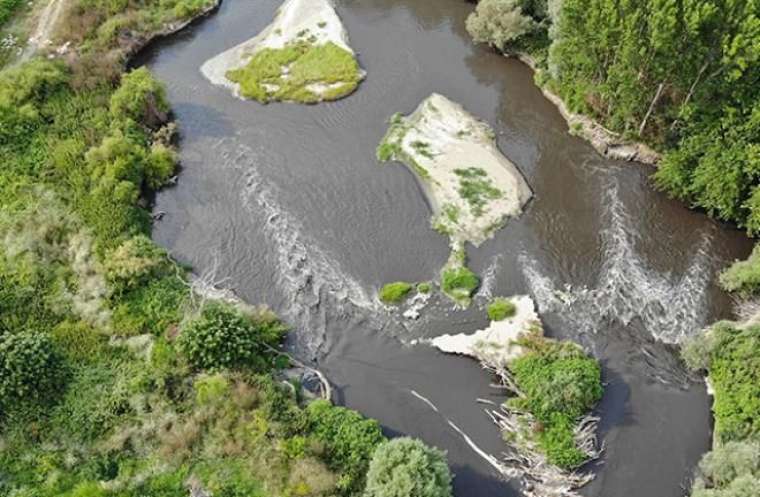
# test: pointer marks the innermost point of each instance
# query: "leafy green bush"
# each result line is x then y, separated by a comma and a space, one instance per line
459, 283
734, 365
141, 98
559, 383
498, 22
151, 307
223, 337
393, 293
406, 467
743, 276
29, 367
134, 263
350, 439
500, 309
730, 470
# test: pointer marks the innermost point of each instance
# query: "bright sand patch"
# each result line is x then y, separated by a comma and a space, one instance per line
495, 345
472, 188
303, 23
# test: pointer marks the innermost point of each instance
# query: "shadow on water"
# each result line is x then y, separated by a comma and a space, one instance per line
289, 206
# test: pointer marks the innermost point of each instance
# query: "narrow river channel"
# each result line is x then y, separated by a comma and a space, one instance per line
286, 205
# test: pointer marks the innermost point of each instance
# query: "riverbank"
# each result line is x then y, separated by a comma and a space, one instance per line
607, 143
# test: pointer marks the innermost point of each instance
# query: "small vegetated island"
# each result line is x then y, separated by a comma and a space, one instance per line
303, 56
552, 387
472, 188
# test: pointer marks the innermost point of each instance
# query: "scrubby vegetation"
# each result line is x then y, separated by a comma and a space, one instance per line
404, 467
730, 353
394, 293
308, 65
459, 283
500, 309
115, 378
557, 384
681, 76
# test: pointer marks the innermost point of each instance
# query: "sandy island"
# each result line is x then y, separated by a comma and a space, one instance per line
307, 23
496, 344
472, 188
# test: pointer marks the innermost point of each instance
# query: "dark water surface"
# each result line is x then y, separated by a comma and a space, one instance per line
288, 206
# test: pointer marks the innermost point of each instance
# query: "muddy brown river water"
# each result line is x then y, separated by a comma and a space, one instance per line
286, 205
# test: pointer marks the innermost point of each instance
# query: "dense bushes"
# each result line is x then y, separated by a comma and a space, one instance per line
350, 440
223, 337
29, 367
559, 384
406, 467
730, 352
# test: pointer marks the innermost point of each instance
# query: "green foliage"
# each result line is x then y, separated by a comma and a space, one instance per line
498, 22
459, 283
29, 367
559, 383
681, 76
743, 277
350, 440
500, 309
140, 98
734, 366
308, 64
223, 337
394, 293
8, 8
730, 470
404, 467
424, 287
134, 263
152, 307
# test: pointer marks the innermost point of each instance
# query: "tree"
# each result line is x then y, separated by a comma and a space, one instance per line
498, 22
28, 366
407, 467
223, 337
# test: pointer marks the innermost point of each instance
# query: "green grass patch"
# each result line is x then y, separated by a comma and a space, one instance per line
560, 383
422, 148
500, 309
476, 188
285, 74
394, 293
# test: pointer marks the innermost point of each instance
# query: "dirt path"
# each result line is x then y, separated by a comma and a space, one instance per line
46, 22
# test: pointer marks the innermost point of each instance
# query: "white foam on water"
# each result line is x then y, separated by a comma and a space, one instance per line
308, 277
669, 307
488, 282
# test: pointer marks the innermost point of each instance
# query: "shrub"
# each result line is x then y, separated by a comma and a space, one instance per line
140, 98
424, 287
350, 440
730, 470
406, 467
498, 22
393, 293
223, 337
559, 383
743, 276
29, 367
500, 309
134, 262
459, 283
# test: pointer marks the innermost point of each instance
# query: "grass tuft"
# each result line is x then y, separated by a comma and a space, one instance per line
500, 309
394, 293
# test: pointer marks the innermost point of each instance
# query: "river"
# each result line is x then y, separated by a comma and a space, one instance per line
286, 205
